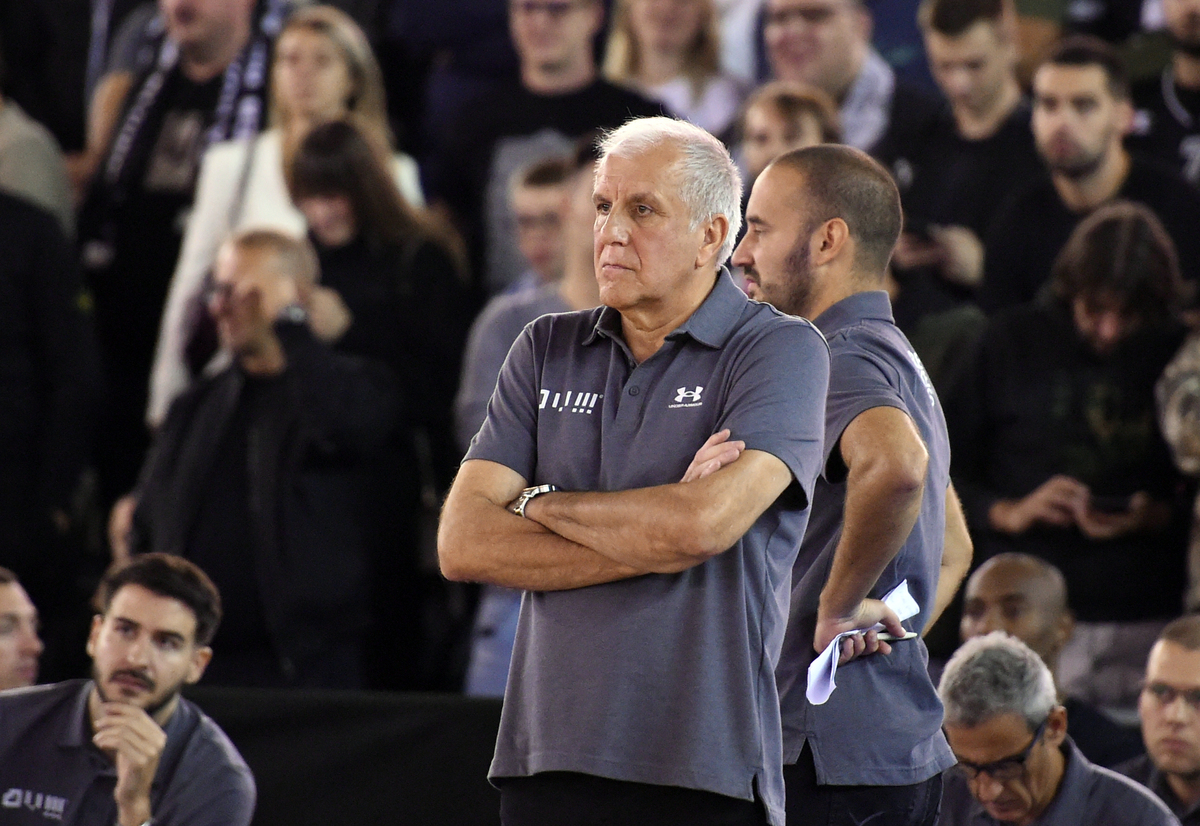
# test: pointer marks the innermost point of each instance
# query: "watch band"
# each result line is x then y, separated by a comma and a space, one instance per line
527, 495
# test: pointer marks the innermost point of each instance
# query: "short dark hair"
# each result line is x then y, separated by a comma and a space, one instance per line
847, 183
552, 171
168, 576
1083, 50
7, 577
953, 17
1184, 632
1122, 249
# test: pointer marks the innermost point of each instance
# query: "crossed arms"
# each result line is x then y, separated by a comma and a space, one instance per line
576, 539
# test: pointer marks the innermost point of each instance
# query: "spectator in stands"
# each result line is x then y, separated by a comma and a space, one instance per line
1081, 113
781, 116
1178, 394
254, 474
1016, 762
50, 388
1026, 597
980, 149
20, 645
827, 44
670, 51
206, 85
124, 747
322, 70
31, 164
1169, 708
538, 197
395, 286
1167, 124
557, 99
492, 334
1056, 450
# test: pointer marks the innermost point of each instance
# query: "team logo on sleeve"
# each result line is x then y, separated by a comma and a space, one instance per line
687, 398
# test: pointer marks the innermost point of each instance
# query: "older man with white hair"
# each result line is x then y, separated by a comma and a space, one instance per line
1016, 763
603, 483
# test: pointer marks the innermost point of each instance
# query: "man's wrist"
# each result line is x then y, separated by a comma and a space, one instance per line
526, 496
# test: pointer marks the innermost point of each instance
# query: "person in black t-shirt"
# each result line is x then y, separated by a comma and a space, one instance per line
1081, 114
557, 99
981, 148
205, 84
1167, 124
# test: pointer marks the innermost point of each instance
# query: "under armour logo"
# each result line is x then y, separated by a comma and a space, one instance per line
687, 398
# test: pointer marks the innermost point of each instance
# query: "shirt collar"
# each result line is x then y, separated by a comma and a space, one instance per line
855, 308
711, 324
1157, 783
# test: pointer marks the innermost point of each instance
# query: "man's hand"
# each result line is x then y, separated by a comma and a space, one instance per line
135, 743
912, 251
961, 255
1056, 502
120, 522
714, 454
868, 613
328, 315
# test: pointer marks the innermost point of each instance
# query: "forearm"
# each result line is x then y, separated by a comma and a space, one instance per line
957, 551
668, 528
481, 541
882, 505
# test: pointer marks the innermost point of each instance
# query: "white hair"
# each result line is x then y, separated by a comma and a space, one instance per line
710, 184
993, 675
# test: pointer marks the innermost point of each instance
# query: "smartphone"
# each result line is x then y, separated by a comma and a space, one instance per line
886, 637
1109, 504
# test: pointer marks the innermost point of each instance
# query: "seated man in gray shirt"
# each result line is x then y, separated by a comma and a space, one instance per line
1016, 763
642, 686
124, 748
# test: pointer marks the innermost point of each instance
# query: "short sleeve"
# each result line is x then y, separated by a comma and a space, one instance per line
776, 402
857, 383
509, 432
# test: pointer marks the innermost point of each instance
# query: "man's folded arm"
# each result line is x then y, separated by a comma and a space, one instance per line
480, 540
669, 528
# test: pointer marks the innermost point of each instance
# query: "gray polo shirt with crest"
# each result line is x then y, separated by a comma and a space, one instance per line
661, 679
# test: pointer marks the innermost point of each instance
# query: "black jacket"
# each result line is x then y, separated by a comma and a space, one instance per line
303, 481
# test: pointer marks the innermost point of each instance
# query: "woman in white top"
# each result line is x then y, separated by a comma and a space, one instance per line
669, 50
323, 70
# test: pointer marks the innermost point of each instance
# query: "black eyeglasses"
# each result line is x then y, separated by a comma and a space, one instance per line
1007, 768
1165, 694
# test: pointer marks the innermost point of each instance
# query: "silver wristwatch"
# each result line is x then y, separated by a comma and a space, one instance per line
519, 505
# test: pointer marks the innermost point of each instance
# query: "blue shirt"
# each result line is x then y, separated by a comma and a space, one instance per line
662, 679
882, 726
50, 771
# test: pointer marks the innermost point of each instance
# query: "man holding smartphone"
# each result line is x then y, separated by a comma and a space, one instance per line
822, 224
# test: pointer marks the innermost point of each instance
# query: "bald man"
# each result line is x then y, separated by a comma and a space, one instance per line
1026, 597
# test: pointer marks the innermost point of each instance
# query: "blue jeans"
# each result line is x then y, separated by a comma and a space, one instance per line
810, 804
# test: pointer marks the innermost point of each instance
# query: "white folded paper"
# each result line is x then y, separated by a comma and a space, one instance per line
822, 670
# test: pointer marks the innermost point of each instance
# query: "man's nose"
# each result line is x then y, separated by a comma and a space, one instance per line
612, 228
741, 253
986, 788
31, 643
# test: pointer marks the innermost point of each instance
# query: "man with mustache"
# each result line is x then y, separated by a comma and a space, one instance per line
124, 748
1081, 114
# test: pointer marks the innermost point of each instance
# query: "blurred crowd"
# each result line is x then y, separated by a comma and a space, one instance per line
261, 262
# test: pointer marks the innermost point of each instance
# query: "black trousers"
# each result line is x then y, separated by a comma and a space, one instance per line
571, 799
809, 804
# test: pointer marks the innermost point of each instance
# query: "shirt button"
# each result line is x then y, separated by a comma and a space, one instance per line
633, 391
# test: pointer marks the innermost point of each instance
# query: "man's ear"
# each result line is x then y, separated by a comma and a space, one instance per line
1056, 727
201, 657
829, 241
716, 230
94, 634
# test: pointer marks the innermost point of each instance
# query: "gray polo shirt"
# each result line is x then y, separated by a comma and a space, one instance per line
51, 772
882, 726
1089, 795
664, 679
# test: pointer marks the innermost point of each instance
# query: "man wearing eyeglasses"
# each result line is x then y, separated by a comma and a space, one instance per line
1016, 763
1169, 707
